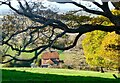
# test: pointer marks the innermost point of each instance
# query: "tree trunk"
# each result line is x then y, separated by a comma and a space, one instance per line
102, 71
39, 63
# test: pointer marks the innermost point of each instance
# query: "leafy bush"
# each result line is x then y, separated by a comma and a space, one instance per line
17, 64
74, 60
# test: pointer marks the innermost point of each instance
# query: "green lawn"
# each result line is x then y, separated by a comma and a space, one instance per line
38, 75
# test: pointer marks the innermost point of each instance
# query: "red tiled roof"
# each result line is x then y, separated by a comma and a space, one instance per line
48, 55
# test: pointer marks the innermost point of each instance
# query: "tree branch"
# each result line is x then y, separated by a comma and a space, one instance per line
71, 46
88, 28
17, 59
59, 25
86, 9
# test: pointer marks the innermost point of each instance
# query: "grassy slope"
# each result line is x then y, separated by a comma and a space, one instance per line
23, 55
30, 55
46, 74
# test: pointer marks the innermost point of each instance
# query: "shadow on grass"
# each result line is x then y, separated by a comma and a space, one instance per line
13, 76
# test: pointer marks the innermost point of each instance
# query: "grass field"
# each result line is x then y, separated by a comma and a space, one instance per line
38, 75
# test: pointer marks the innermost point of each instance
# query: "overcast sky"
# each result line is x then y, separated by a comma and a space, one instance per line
62, 7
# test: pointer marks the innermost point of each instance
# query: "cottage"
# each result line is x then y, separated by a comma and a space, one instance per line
50, 58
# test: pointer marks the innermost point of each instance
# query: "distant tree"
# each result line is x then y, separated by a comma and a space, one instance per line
75, 60
55, 27
97, 43
91, 45
73, 20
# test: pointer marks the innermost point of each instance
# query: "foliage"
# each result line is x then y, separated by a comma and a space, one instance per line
101, 48
60, 51
15, 23
6, 50
110, 48
91, 46
74, 20
116, 12
17, 64
38, 30
73, 60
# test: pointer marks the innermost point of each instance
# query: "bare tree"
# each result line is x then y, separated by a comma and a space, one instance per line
47, 28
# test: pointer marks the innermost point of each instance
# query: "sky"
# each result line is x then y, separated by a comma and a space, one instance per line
61, 7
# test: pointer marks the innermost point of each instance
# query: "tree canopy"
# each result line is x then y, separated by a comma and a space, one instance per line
102, 48
52, 29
